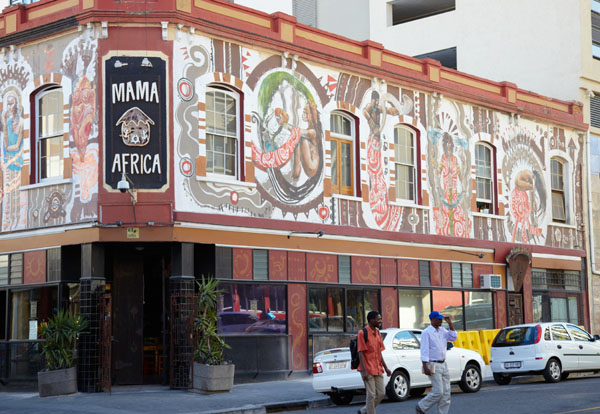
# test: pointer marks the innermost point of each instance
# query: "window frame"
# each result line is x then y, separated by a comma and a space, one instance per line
238, 165
339, 139
415, 175
462, 267
562, 192
483, 203
38, 138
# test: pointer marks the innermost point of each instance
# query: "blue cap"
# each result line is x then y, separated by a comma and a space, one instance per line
436, 315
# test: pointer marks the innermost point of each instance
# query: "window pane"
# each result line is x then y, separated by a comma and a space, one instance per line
252, 309
479, 311
371, 302
467, 275
16, 268
355, 310
3, 295
50, 155
260, 264
456, 275
346, 164
403, 146
450, 303
335, 310
29, 308
53, 265
578, 334
344, 270
341, 125
404, 340
558, 206
334, 163
424, 279
414, 308
573, 310
559, 333
317, 309
537, 308
404, 182
50, 114
558, 309
4, 269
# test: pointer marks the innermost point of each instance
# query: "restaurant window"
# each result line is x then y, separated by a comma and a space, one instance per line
564, 309
29, 308
245, 308
340, 309
424, 273
260, 264
222, 132
462, 275
450, 303
414, 308
342, 155
479, 310
49, 133
344, 270
71, 294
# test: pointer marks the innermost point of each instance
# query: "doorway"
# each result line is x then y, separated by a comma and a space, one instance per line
515, 309
138, 314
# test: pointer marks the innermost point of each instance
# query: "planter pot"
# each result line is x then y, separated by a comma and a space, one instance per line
57, 382
213, 378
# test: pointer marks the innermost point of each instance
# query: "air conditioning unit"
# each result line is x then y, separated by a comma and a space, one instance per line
490, 281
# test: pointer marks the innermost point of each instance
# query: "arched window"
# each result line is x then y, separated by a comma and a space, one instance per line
49, 132
222, 132
557, 173
484, 175
342, 140
405, 153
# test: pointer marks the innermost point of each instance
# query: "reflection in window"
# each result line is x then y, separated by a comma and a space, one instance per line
414, 308
579, 334
537, 308
326, 308
450, 303
559, 333
404, 341
479, 311
252, 309
29, 308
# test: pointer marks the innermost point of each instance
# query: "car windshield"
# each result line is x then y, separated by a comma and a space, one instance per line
523, 335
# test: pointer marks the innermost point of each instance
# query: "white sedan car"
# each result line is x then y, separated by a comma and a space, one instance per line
553, 349
332, 373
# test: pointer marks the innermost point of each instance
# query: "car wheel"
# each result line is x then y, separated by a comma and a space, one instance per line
416, 392
564, 375
553, 371
398, 388
341, 397
502, 379
471, 379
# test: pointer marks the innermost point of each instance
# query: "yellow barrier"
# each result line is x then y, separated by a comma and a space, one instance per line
478, 341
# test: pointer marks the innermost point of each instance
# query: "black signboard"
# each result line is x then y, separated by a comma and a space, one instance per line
136, 121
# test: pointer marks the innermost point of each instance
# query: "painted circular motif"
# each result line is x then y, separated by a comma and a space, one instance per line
185, 89
324, 212
413, 219
235, 197
186, 167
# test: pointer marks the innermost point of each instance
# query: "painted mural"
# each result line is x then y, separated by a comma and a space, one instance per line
285, 159
72, 196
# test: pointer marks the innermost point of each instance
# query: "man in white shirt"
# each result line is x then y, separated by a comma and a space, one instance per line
433, 356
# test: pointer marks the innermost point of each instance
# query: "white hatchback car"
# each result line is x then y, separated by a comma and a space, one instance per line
553, 349
332, 373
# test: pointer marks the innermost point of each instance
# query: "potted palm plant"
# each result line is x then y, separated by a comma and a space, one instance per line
61, 334
211, 372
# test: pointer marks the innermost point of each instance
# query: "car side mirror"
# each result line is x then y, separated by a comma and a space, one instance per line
450, 345
596, 337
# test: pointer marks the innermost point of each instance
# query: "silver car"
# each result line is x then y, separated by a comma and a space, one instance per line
552, 349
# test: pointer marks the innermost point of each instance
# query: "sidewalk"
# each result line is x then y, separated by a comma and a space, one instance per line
254, 398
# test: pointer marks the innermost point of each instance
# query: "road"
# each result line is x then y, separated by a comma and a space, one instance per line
572, 396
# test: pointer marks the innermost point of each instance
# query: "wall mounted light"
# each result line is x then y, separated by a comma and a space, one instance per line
146, 63
316, 233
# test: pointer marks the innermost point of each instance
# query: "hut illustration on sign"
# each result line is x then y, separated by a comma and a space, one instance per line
135, 128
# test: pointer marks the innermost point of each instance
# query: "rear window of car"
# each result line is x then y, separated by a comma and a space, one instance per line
524, 335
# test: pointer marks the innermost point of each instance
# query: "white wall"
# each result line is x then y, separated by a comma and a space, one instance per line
268, 6
4, 3
533, 43
349, 18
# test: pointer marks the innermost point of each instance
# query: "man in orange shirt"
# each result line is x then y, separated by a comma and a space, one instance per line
371, 362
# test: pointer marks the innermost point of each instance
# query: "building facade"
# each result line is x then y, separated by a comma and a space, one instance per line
315, 176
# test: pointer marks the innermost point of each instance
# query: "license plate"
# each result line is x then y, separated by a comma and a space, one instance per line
336, 365
516, 364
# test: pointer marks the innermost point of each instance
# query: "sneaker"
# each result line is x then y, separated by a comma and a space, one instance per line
419, 411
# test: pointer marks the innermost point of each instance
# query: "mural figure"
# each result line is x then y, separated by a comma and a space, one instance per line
387, 217
12, 160
527, 199
452, 220
83, 110
290, 140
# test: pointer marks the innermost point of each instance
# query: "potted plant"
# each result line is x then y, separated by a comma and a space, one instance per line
61, 334
211, 371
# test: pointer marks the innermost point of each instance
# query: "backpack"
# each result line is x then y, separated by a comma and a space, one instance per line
355, 359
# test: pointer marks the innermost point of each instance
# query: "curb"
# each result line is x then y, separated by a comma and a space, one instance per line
293, 405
